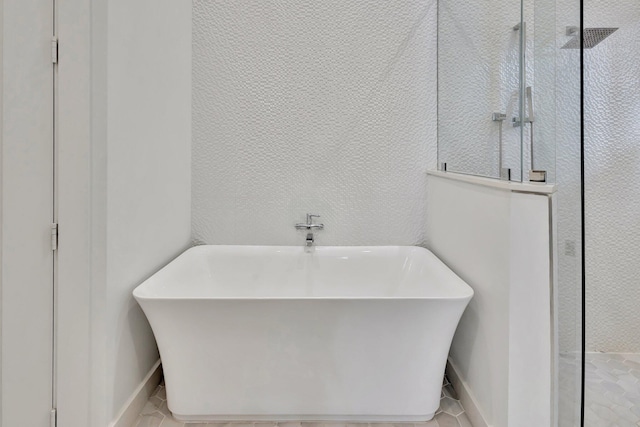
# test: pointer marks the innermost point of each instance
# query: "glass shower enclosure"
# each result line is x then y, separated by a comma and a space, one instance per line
509, 108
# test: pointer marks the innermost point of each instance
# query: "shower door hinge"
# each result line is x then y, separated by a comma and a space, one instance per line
54, 50
53, 417
54, 236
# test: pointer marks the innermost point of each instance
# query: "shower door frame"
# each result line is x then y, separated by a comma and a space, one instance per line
582, 224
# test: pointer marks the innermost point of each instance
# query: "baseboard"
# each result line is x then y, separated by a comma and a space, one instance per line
465, 396
133, 406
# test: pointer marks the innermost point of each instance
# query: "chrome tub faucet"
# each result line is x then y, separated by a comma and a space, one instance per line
310, 240
310, 225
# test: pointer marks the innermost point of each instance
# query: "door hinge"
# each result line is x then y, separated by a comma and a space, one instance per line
54, 236
54, 50
53, 417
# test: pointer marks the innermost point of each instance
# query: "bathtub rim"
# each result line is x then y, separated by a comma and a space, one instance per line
465, 291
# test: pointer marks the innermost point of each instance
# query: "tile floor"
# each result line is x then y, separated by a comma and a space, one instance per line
450, 414
612, 390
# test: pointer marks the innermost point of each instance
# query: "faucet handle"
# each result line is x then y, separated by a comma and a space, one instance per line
310, 218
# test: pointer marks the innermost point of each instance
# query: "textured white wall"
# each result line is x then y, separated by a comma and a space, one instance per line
148, 174
324, 107
612, 141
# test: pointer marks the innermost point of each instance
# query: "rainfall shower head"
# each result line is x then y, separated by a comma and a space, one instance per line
590, 37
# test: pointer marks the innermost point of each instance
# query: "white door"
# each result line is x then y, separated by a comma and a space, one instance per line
27, 213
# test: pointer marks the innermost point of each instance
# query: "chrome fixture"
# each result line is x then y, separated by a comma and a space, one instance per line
591, 37
442, 166
516, 122
529, 100
571, 31
522, 119
501, 117
309, 240
310, 225
526, 101
535, 175
498, 117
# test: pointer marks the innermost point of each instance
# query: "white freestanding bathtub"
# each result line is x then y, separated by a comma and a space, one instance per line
276, 333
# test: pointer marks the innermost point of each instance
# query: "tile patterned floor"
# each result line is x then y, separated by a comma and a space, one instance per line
612, 390
450, 414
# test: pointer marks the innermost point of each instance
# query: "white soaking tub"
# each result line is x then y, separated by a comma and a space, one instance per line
276, 333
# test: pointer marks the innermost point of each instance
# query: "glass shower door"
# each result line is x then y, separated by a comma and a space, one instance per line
479, 87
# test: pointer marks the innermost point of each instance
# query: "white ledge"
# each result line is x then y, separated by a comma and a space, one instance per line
522, 187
